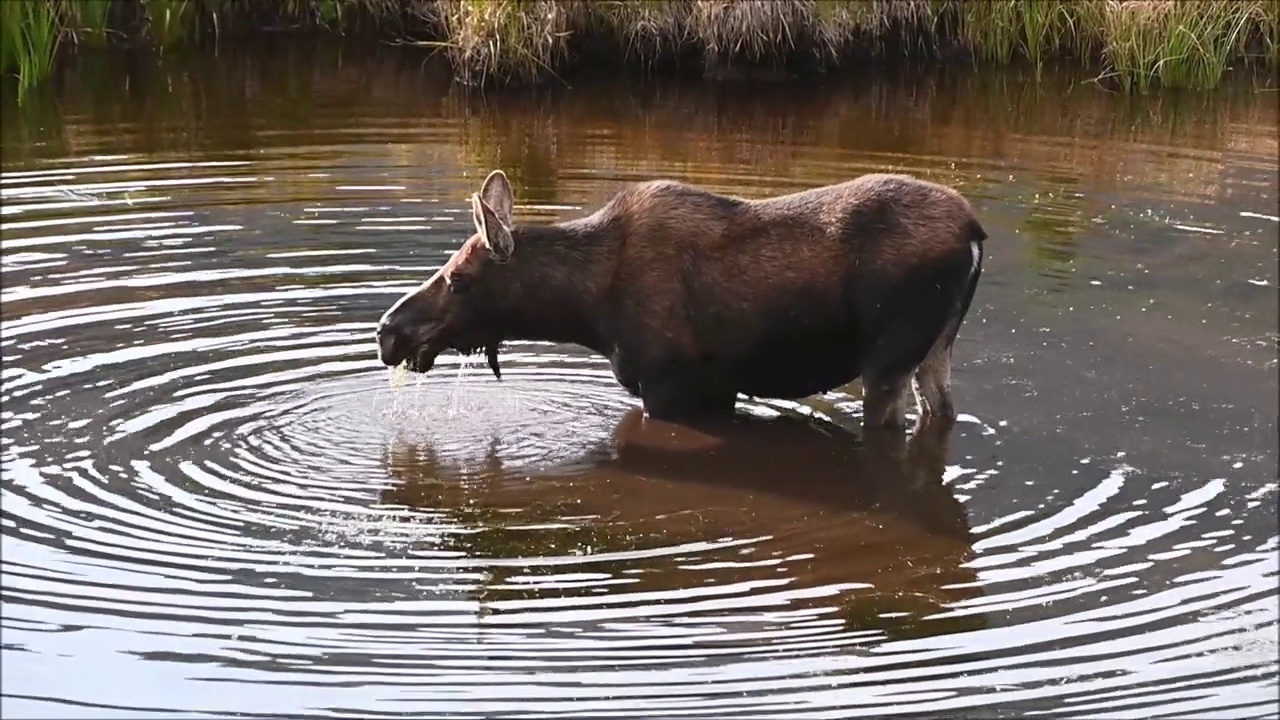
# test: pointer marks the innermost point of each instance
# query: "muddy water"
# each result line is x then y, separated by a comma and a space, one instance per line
216, 501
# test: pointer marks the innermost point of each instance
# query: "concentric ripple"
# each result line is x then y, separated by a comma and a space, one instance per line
216, 501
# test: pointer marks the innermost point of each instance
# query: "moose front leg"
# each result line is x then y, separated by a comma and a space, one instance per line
686, 394
625, 371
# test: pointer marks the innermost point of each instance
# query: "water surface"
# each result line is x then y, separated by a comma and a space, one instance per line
217, 501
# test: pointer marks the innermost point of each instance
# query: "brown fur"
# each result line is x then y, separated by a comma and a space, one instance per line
695, 297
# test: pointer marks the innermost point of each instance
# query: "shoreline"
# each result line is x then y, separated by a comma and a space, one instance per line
1133, 46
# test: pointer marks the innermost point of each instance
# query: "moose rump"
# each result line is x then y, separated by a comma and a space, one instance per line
696, 297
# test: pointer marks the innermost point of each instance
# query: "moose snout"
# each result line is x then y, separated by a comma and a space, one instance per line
392, 345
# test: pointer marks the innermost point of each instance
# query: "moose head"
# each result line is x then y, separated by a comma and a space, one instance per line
453, 309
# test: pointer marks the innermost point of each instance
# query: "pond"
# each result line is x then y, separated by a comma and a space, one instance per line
216, 500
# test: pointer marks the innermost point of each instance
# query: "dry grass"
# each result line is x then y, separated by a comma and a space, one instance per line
844, 27
754, 31
509, 40
1140, 44
646, 33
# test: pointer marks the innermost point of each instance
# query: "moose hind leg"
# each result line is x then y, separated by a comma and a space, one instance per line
884, 402
931, 383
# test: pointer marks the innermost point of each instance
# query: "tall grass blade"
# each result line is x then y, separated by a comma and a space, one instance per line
30, 35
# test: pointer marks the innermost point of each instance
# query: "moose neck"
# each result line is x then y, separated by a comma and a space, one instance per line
555, 280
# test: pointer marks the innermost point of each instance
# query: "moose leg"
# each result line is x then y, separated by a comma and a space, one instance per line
625, 372
686, 395
888, 371
884, 402
932, 379
932, 384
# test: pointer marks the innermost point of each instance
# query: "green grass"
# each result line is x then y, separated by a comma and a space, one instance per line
1177, 44
1141, 44
1035, 30
29, 33
168, 20
86, 21
1268, 32
1138, 45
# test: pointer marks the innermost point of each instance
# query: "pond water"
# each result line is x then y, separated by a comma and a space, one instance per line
217, 501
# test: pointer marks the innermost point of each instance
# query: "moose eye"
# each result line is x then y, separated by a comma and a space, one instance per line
459, 283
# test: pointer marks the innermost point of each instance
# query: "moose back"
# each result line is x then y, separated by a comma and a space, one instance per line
695, 297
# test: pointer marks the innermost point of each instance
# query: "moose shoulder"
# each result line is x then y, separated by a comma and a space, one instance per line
695, 297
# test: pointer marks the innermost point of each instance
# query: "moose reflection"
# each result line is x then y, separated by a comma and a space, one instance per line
816, 505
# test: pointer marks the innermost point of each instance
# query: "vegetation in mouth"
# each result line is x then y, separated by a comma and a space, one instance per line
400, 375
1139, 43
490, 355
422, 360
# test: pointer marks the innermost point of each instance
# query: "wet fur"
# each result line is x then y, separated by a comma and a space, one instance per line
695, 297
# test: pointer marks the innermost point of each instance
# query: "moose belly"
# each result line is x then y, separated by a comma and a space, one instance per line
796, 370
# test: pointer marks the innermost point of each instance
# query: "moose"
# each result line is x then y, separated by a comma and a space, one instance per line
696, 297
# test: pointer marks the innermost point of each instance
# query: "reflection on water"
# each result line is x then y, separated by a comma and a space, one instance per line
216, 501
869, 520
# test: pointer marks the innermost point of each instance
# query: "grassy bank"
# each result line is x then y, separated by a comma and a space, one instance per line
1135, 44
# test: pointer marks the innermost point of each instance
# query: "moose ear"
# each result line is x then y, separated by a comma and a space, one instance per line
496, 192
495, 235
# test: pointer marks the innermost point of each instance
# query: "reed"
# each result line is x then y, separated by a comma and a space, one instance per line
1082, 24
169, 20
991, 29
86, 21
1035, 30
1140, 44
1176, 44
29, 37
1268, 32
